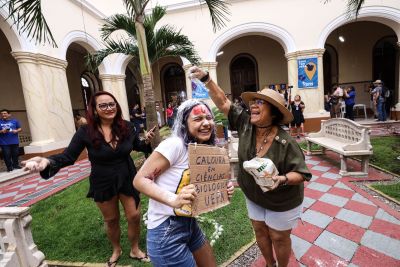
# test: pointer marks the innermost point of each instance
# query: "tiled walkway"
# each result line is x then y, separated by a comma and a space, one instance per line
32, 188
342, 224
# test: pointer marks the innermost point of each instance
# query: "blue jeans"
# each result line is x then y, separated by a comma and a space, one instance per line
173, 242
381, 110
10, 155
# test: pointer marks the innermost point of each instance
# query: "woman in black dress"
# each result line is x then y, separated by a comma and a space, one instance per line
109, 141
297, 107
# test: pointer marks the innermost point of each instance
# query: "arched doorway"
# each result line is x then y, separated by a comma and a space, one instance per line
385, 57
173, 83
82, 83
132, 88
244, 74
331, 68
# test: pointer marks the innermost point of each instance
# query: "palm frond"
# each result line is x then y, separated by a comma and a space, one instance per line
219, 12
118, 22
353, 7
167, 41
151, 20
28, 17
126, 47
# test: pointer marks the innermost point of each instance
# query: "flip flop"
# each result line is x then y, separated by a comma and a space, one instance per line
113, 263
141, 259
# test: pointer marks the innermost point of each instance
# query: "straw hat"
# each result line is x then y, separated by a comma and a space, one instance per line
272, 97
377, 82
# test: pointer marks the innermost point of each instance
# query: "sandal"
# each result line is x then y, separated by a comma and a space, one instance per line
112, 263
145, 258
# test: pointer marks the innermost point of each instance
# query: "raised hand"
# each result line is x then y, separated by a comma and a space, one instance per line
196, 73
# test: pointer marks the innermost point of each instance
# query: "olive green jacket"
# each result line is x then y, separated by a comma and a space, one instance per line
284, 152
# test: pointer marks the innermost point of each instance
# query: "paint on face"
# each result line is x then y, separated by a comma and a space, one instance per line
200, 111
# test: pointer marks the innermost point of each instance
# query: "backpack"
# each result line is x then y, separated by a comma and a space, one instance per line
385, 92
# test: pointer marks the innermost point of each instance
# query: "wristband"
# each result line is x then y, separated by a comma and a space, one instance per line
205, 78
286, 181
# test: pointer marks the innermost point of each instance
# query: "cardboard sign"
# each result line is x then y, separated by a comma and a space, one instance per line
209, 172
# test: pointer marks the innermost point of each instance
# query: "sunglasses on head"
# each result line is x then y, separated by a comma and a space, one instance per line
104, 106
258, 102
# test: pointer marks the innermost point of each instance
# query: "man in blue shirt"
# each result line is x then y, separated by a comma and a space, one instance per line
9, 142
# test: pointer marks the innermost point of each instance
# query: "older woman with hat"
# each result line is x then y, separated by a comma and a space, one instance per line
274, 213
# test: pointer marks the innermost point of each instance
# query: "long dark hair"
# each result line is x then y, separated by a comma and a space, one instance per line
119, 129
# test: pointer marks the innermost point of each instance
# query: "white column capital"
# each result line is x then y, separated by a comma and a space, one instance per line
112, 77
40, 59
209, 65
305, 53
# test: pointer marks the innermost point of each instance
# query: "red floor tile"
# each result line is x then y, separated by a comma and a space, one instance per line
386, 228
260, 262
326, 181
314, 194
361, 207
307, 231
318, 257
325, 208
346, 230
341, 192
367, 257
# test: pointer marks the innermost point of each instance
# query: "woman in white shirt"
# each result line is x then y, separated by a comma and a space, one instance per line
172, 238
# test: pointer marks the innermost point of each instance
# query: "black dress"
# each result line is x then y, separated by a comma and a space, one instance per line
297, 112
112, 170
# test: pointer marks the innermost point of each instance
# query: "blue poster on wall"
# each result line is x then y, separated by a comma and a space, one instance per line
308, 72
199, 90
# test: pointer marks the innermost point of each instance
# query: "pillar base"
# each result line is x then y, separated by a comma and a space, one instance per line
43, 147
313, 121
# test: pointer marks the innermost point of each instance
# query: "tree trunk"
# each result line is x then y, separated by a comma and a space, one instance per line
148, 84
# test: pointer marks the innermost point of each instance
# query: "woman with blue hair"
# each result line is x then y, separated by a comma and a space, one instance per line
173, 239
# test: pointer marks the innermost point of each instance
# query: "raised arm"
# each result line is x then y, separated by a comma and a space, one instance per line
216, 93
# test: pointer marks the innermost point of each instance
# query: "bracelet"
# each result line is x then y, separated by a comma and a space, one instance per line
205, 78
286, 182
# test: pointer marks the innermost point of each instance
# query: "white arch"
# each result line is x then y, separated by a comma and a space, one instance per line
382, 14
253, 28
119, 63
17, 41
85, 40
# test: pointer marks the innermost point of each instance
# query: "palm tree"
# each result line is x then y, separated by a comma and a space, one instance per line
136, 13
162, 42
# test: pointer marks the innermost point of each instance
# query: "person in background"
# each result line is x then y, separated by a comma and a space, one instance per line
170, 113
109, 141
349, 99
335, 101
274, 213
158, 116
297, 107
9, 141
79, 120
173, 239
137, 118
380, 100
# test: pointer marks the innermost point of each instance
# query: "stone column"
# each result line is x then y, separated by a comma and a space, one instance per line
397, 106
313, 98
115, 84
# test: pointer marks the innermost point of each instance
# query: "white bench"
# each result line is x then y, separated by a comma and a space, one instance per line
345, 137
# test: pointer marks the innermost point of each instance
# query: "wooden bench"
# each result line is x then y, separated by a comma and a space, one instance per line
345, 137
